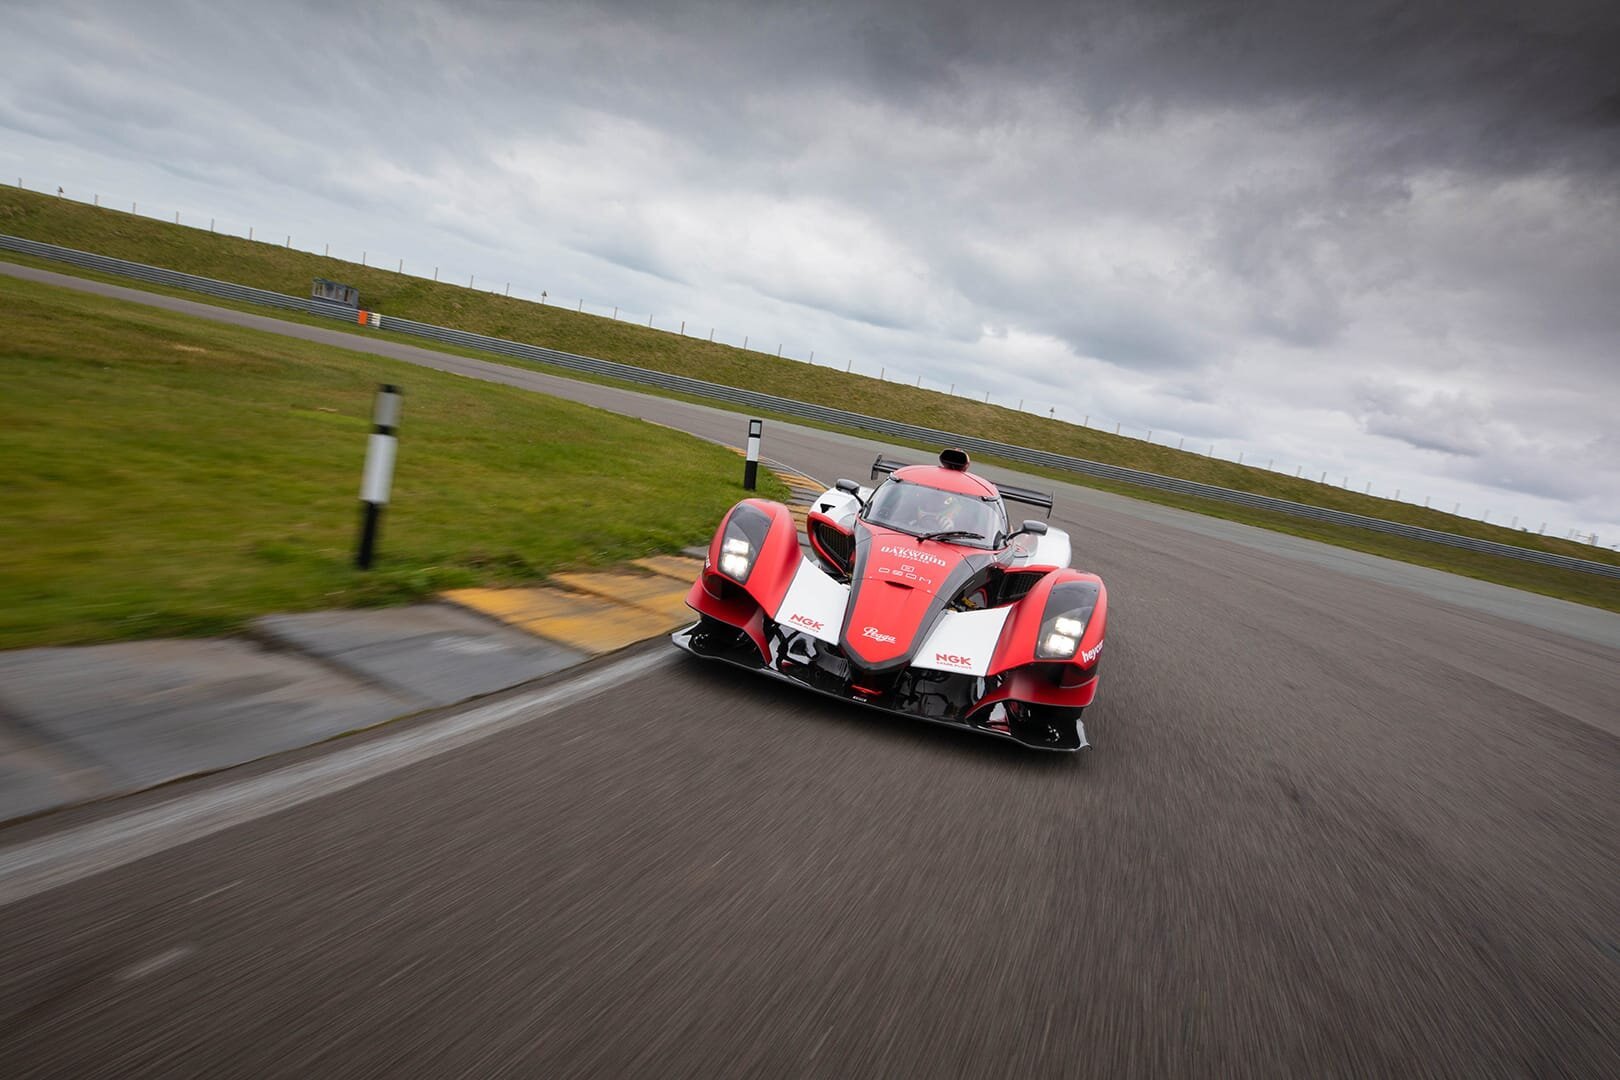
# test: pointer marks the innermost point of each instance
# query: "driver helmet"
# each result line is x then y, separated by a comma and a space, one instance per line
948, 512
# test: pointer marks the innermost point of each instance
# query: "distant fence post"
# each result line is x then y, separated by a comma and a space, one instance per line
751, 458
378, 478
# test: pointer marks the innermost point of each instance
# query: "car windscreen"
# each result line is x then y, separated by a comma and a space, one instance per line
918, 509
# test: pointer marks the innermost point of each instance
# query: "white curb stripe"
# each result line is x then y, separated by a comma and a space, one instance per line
47, 863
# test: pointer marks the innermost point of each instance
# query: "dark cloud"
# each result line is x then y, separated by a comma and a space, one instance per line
1381, 233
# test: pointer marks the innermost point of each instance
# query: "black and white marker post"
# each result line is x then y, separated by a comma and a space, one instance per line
751, 465
379, 474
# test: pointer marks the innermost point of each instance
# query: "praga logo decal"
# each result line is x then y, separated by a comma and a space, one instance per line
877, 635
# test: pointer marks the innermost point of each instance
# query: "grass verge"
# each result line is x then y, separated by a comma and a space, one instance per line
168, 476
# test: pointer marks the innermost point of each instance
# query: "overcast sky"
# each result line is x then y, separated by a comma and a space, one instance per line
1378, 240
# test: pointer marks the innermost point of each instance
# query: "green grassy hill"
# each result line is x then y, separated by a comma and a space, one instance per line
270, 266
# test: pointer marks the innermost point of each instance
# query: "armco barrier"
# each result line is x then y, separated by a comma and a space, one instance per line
789, 407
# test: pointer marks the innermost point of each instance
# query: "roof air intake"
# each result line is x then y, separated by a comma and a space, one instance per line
954, 459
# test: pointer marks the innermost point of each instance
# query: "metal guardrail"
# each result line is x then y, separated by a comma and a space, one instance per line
788, 407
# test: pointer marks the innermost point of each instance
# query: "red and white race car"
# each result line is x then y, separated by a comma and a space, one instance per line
917, 597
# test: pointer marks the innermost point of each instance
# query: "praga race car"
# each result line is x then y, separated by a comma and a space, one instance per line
916, 596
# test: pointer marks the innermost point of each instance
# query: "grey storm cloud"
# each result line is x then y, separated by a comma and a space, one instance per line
1447, 422
1375, 236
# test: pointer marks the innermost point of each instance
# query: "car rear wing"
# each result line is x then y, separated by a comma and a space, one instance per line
883, 466
1028, 496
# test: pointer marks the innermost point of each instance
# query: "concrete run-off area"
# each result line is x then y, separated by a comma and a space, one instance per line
78, 724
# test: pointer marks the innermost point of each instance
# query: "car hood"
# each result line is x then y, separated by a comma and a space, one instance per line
898, 589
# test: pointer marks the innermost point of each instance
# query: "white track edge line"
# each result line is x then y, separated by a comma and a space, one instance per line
33, 867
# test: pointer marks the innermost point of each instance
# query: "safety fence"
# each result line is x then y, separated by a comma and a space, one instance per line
754, 400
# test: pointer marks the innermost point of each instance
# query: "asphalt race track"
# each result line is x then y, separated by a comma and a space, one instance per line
1343, 818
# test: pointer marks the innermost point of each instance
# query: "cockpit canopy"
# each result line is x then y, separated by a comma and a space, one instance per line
919, 509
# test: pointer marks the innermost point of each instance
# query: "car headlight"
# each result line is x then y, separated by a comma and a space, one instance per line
1064, 637
736, 557
1068, 608
745, 533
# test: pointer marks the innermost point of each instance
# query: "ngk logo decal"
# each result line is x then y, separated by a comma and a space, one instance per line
876, 635
1088, 655
805, 620
911, 553
953, 660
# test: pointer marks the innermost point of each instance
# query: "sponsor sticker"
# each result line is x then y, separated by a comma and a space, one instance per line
1088, 655
905, 572
877, 635
911, 553
805, 620
953, 660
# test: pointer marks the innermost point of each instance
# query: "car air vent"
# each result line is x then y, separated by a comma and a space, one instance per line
833, 542
1017, 586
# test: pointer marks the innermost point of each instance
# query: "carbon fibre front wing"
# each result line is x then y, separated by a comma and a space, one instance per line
915, 693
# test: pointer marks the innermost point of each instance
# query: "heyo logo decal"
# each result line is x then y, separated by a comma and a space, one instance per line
1090, 654
876, 635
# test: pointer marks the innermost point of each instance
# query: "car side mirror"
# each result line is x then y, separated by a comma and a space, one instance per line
1030, 527
849, 487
